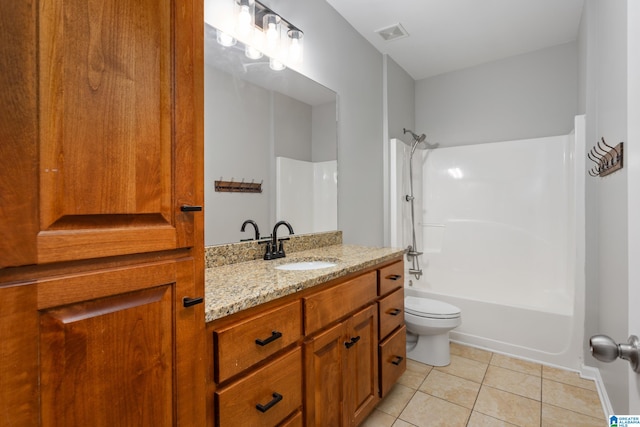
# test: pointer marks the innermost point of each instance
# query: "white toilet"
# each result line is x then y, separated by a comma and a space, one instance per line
428, 323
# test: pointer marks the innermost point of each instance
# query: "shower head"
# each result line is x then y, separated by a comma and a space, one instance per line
419, 141
417, 138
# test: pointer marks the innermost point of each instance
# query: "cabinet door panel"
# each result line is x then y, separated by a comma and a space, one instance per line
19, 403
109, 174
325, 398
128, 358
109, 360
362, 365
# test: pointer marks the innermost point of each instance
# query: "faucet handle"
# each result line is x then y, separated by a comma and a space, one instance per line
269, 250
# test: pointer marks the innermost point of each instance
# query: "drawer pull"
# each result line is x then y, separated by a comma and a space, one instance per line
188, 302
264, 408
394, 277
395, 311
274, 336
189, 208
396, 360
353, 341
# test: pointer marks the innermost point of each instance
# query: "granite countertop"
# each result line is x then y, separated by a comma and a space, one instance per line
236, 287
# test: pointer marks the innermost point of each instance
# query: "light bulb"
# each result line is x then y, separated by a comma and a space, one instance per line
276, 65
245, 19
271, 24
272, 33
252, 53
225, 39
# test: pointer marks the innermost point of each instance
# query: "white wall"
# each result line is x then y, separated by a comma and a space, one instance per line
525, 96
605, 98
342, 60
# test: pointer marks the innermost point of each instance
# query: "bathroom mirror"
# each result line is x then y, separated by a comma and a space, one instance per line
273, 130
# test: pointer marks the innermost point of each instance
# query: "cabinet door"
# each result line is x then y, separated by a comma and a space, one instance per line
362, 364
107, 345
111, 99
19, 405
325, 397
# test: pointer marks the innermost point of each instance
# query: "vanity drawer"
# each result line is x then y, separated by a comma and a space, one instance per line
295, 421
390, 277
329, 305
276, 387
393, 359
390, 312
243, 344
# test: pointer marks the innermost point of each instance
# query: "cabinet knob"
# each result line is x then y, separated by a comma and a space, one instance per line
274, 336
264, 408
189, 208
188, 302
395, 311
394, 277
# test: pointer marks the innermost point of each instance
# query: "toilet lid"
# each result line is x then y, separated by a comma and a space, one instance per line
425, 307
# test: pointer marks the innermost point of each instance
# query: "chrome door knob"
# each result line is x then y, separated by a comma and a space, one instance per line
605, 349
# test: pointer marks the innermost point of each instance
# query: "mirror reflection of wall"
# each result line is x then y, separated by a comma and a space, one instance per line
250, 123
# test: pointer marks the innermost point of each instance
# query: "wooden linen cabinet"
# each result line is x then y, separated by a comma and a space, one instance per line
101, 176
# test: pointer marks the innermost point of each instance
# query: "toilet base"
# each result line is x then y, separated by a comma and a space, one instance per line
431, 349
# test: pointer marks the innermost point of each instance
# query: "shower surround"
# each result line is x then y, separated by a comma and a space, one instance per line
501, 226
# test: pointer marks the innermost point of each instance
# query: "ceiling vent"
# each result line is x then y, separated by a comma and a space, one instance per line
394, 32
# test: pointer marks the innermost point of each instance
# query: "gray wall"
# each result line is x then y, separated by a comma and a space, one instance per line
342, 60
399, 106
246, 126
323, 133
292, 128
604, 34
401, 93
231, 152
525, 96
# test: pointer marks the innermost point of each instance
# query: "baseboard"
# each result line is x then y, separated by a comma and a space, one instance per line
591, 373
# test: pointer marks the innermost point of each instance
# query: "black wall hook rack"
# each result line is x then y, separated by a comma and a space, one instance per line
608, 159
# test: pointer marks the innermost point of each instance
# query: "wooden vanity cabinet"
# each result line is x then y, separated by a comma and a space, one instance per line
323, 362
101, 254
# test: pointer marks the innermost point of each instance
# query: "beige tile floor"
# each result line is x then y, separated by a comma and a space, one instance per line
484, 389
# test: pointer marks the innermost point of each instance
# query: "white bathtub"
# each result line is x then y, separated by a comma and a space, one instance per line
532, 334
501, 226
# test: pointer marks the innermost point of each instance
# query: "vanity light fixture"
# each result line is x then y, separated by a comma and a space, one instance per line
263, 32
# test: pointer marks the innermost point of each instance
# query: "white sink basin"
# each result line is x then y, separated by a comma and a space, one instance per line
305, 265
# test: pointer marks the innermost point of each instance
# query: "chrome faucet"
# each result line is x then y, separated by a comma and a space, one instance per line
255, 228
275, 248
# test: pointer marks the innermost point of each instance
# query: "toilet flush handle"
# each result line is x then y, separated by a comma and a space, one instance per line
605, 349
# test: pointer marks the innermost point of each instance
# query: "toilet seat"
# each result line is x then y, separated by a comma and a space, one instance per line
429, 308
